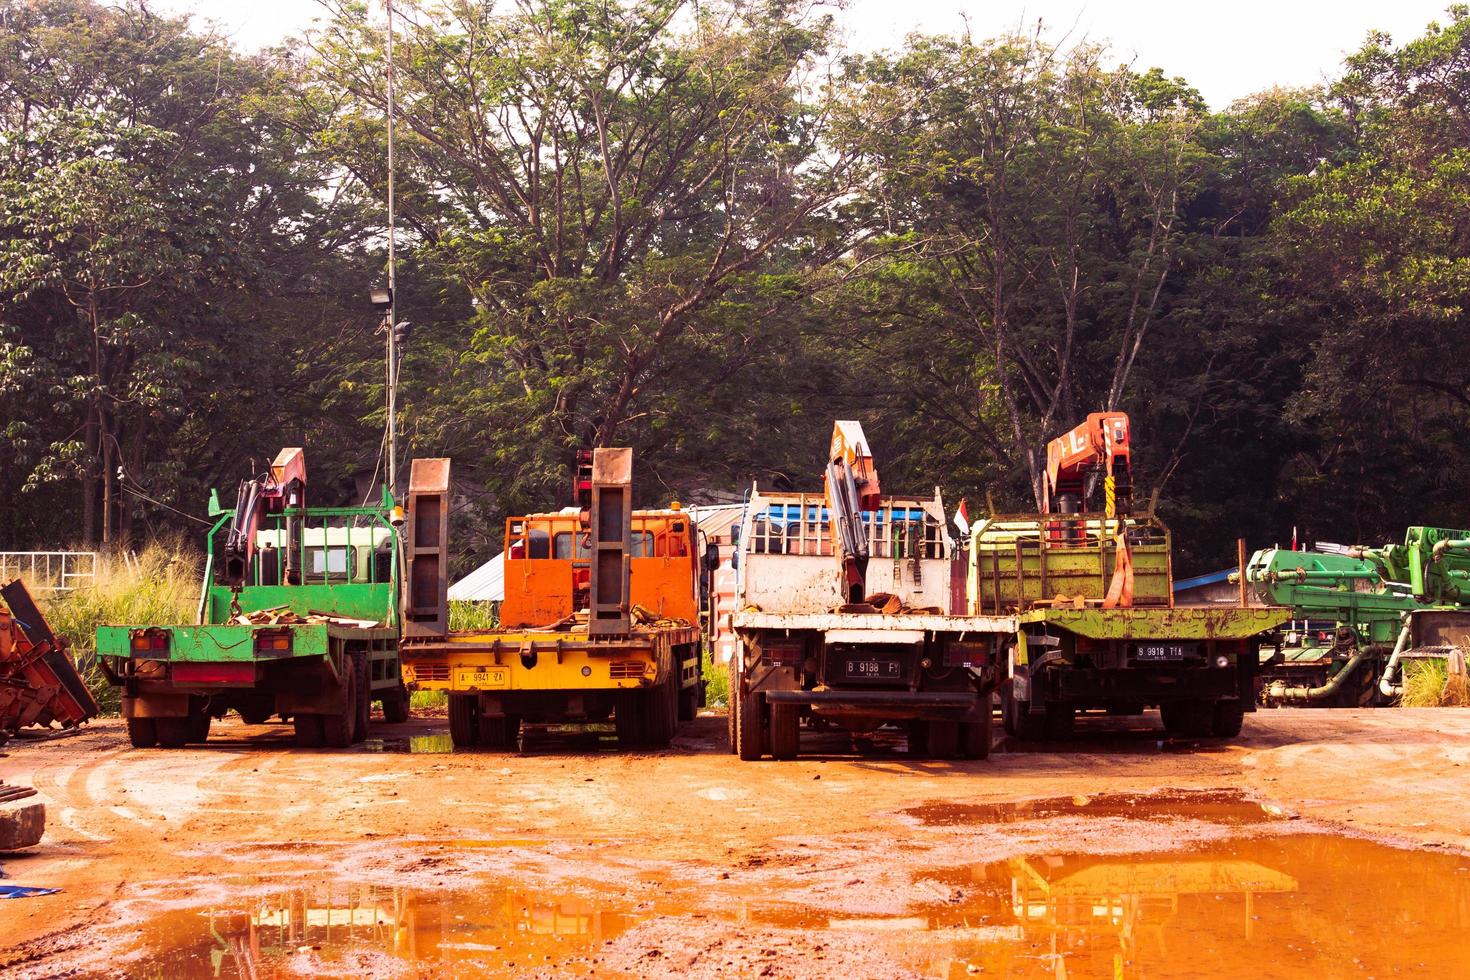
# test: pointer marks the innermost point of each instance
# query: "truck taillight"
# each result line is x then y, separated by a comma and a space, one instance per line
783, 654
966, 655
272, 641
150, 642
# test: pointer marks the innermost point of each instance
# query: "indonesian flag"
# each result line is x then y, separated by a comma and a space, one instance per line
962, 518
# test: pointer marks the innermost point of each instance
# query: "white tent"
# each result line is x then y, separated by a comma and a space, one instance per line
484, 584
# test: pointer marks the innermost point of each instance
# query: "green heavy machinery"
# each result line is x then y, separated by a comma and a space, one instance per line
299, 617
1359, 612
1093, 595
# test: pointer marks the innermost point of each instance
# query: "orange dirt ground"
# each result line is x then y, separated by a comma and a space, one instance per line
249, 857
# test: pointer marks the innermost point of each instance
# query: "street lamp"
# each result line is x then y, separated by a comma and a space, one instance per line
381, 297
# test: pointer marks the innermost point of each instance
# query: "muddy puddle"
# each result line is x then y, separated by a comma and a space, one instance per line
1259, 902
1212, 806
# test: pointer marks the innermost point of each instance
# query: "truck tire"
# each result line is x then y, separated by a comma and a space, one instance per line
501, 732
308, 730
1027, 726
918, 738
395, 705
662, 707
363, 706
943, 738
785, 731
976, 738
1229, 715
1008, 711
173, 733
1061, 719
688, 696
630, 721
464, 720
1189, 719
733, 692
256, 716
339, 727
750, 729
142, 733
199, 727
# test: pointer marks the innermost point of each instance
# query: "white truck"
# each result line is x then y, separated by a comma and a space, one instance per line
848, 614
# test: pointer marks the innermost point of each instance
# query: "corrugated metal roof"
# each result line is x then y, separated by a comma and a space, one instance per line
484, 584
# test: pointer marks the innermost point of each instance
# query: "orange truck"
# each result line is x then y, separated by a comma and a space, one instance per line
600, 620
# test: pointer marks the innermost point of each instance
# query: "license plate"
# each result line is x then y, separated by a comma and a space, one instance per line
872, 670
1165, 651
482, 677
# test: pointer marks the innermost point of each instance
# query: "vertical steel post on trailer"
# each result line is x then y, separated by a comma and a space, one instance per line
426, 576
610, 524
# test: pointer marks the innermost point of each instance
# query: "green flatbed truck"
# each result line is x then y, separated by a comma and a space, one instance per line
1093, 596
298, 619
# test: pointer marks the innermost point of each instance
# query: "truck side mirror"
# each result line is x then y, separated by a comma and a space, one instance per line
711, 556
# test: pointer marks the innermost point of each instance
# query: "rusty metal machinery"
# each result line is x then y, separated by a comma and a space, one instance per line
39, 684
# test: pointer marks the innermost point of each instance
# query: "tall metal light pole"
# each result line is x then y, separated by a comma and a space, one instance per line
392, 312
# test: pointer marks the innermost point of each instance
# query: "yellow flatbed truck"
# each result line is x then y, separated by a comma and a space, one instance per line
600, 620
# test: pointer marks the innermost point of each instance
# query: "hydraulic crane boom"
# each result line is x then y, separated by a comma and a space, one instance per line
851, 487
282, 489
1095, 451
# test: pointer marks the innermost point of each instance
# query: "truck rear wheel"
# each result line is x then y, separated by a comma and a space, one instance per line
785, 731
173, 733
339, 727
1190, 719
142, 733
976, 738
464, 720
662, 706
501, 732
363, 706
944, 739
308, 730
630, 720
733, 691
750, 729
395, 705
1229, 715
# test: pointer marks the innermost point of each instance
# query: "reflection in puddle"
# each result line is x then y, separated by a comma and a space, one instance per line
1274, 905
1215, 806
353, 930
417, 744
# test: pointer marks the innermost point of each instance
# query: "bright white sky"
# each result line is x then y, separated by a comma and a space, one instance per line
1226, 48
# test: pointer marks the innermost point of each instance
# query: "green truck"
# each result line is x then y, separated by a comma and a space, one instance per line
1357, 613
299, 617
1098, 628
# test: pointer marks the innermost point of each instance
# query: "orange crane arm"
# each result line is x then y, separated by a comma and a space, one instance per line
1099, 447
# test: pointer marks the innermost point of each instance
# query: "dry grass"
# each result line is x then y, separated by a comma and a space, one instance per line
158, 585
1428, 683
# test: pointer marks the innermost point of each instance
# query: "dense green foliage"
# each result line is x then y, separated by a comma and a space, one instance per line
704, 231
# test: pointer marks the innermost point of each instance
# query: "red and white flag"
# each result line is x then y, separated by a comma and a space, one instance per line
962, 518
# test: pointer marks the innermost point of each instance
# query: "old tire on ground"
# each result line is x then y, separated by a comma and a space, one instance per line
395, 705
662, 707
943, 739
976, 738
339, 727
784, 733
1229, 715
1190, 719
363, 706
630, 719
308, 730
750, 729
173, 733
464, 720
142, 733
